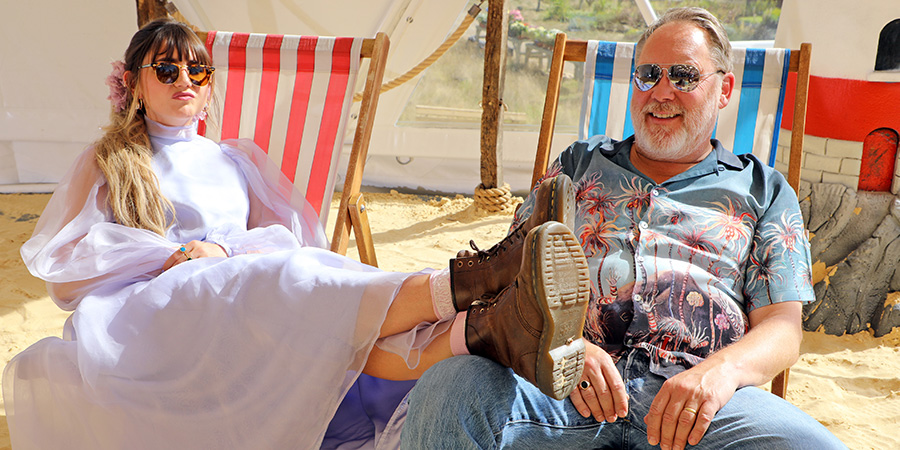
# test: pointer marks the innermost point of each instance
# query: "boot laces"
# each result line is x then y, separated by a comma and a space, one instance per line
480, 305
484, 255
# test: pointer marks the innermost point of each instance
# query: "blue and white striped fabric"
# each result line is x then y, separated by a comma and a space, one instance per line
749, 124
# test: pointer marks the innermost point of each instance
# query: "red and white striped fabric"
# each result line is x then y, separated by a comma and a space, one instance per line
292, 96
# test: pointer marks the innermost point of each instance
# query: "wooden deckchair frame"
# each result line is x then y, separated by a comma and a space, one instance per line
576, 50
352, 210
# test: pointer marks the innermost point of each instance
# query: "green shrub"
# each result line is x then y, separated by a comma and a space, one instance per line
558, 10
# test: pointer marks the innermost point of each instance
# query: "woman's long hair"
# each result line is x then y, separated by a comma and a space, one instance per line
124, 152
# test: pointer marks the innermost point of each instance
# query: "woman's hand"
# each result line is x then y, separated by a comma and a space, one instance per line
601, 392
194, 250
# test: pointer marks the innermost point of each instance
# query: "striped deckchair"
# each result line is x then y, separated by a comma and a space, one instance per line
292, 95
749, 124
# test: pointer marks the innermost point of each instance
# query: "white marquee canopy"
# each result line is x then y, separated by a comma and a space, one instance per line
55, 55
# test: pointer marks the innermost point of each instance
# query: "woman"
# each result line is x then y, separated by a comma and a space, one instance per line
206, 312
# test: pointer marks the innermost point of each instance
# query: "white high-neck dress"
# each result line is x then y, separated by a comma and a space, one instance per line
256, 350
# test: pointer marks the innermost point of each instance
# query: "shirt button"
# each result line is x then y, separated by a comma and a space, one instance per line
655, 192
637, 297
639, 259
644, 225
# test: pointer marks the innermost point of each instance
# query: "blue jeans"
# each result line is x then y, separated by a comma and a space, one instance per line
472, 402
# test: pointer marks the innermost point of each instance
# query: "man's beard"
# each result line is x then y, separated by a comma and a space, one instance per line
664, 144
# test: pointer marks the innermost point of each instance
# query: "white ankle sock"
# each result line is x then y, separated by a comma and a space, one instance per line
441, 299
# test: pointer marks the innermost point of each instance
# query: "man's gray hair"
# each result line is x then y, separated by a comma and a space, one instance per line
716, 37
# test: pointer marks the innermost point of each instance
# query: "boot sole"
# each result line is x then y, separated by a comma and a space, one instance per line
560, 208
562, 204
561, 290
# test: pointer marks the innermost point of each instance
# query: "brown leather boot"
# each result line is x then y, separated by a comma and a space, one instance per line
534, 326
487, 272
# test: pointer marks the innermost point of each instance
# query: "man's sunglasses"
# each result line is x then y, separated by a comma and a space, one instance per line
683, 77
167, 73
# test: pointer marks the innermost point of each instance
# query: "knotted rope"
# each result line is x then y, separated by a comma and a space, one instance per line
497, 199
467, 20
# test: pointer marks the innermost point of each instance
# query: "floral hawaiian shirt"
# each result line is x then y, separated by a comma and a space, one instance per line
677, 266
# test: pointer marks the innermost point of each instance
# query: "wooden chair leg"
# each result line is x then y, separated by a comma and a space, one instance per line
359, 220
779, 383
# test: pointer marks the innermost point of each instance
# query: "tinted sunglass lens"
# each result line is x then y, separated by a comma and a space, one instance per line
684, 77
166, 73
199, 75
646, 76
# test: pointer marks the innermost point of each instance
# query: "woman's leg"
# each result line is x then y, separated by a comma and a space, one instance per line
412, 306
533, 326
391, 366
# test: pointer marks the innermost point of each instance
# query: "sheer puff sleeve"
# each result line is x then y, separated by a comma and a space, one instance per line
274, 202
77, 247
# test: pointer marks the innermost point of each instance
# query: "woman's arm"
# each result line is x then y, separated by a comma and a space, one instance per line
76, 246
274, 201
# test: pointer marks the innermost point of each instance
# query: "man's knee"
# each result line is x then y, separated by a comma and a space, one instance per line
451, 402
458, 376
758, 417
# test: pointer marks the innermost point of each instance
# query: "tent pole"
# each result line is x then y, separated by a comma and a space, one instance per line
492, 93
149, 10
647, 11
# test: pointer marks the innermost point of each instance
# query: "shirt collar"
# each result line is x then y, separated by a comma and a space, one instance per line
720, 156
725, 156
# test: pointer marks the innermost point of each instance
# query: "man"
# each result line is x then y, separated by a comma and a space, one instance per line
699, 264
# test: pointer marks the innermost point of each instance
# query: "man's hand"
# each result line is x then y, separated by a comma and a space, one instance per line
193, 250
605, 396
686, 404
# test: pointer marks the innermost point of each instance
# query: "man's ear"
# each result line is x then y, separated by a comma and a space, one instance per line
727, 89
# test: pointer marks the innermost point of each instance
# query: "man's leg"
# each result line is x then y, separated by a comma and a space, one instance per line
752, 419
472, 402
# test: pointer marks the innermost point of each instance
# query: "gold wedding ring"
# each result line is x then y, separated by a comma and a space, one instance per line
690, 410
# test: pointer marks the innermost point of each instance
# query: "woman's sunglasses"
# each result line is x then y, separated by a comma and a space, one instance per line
167, 73
683, 77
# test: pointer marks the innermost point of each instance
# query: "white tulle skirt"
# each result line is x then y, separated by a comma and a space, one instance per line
254, 351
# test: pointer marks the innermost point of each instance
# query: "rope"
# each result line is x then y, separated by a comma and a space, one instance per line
493, 199
470, 16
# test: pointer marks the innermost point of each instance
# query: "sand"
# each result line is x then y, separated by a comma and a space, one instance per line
849, 383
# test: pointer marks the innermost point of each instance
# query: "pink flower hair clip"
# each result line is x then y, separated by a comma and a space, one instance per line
116, 82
